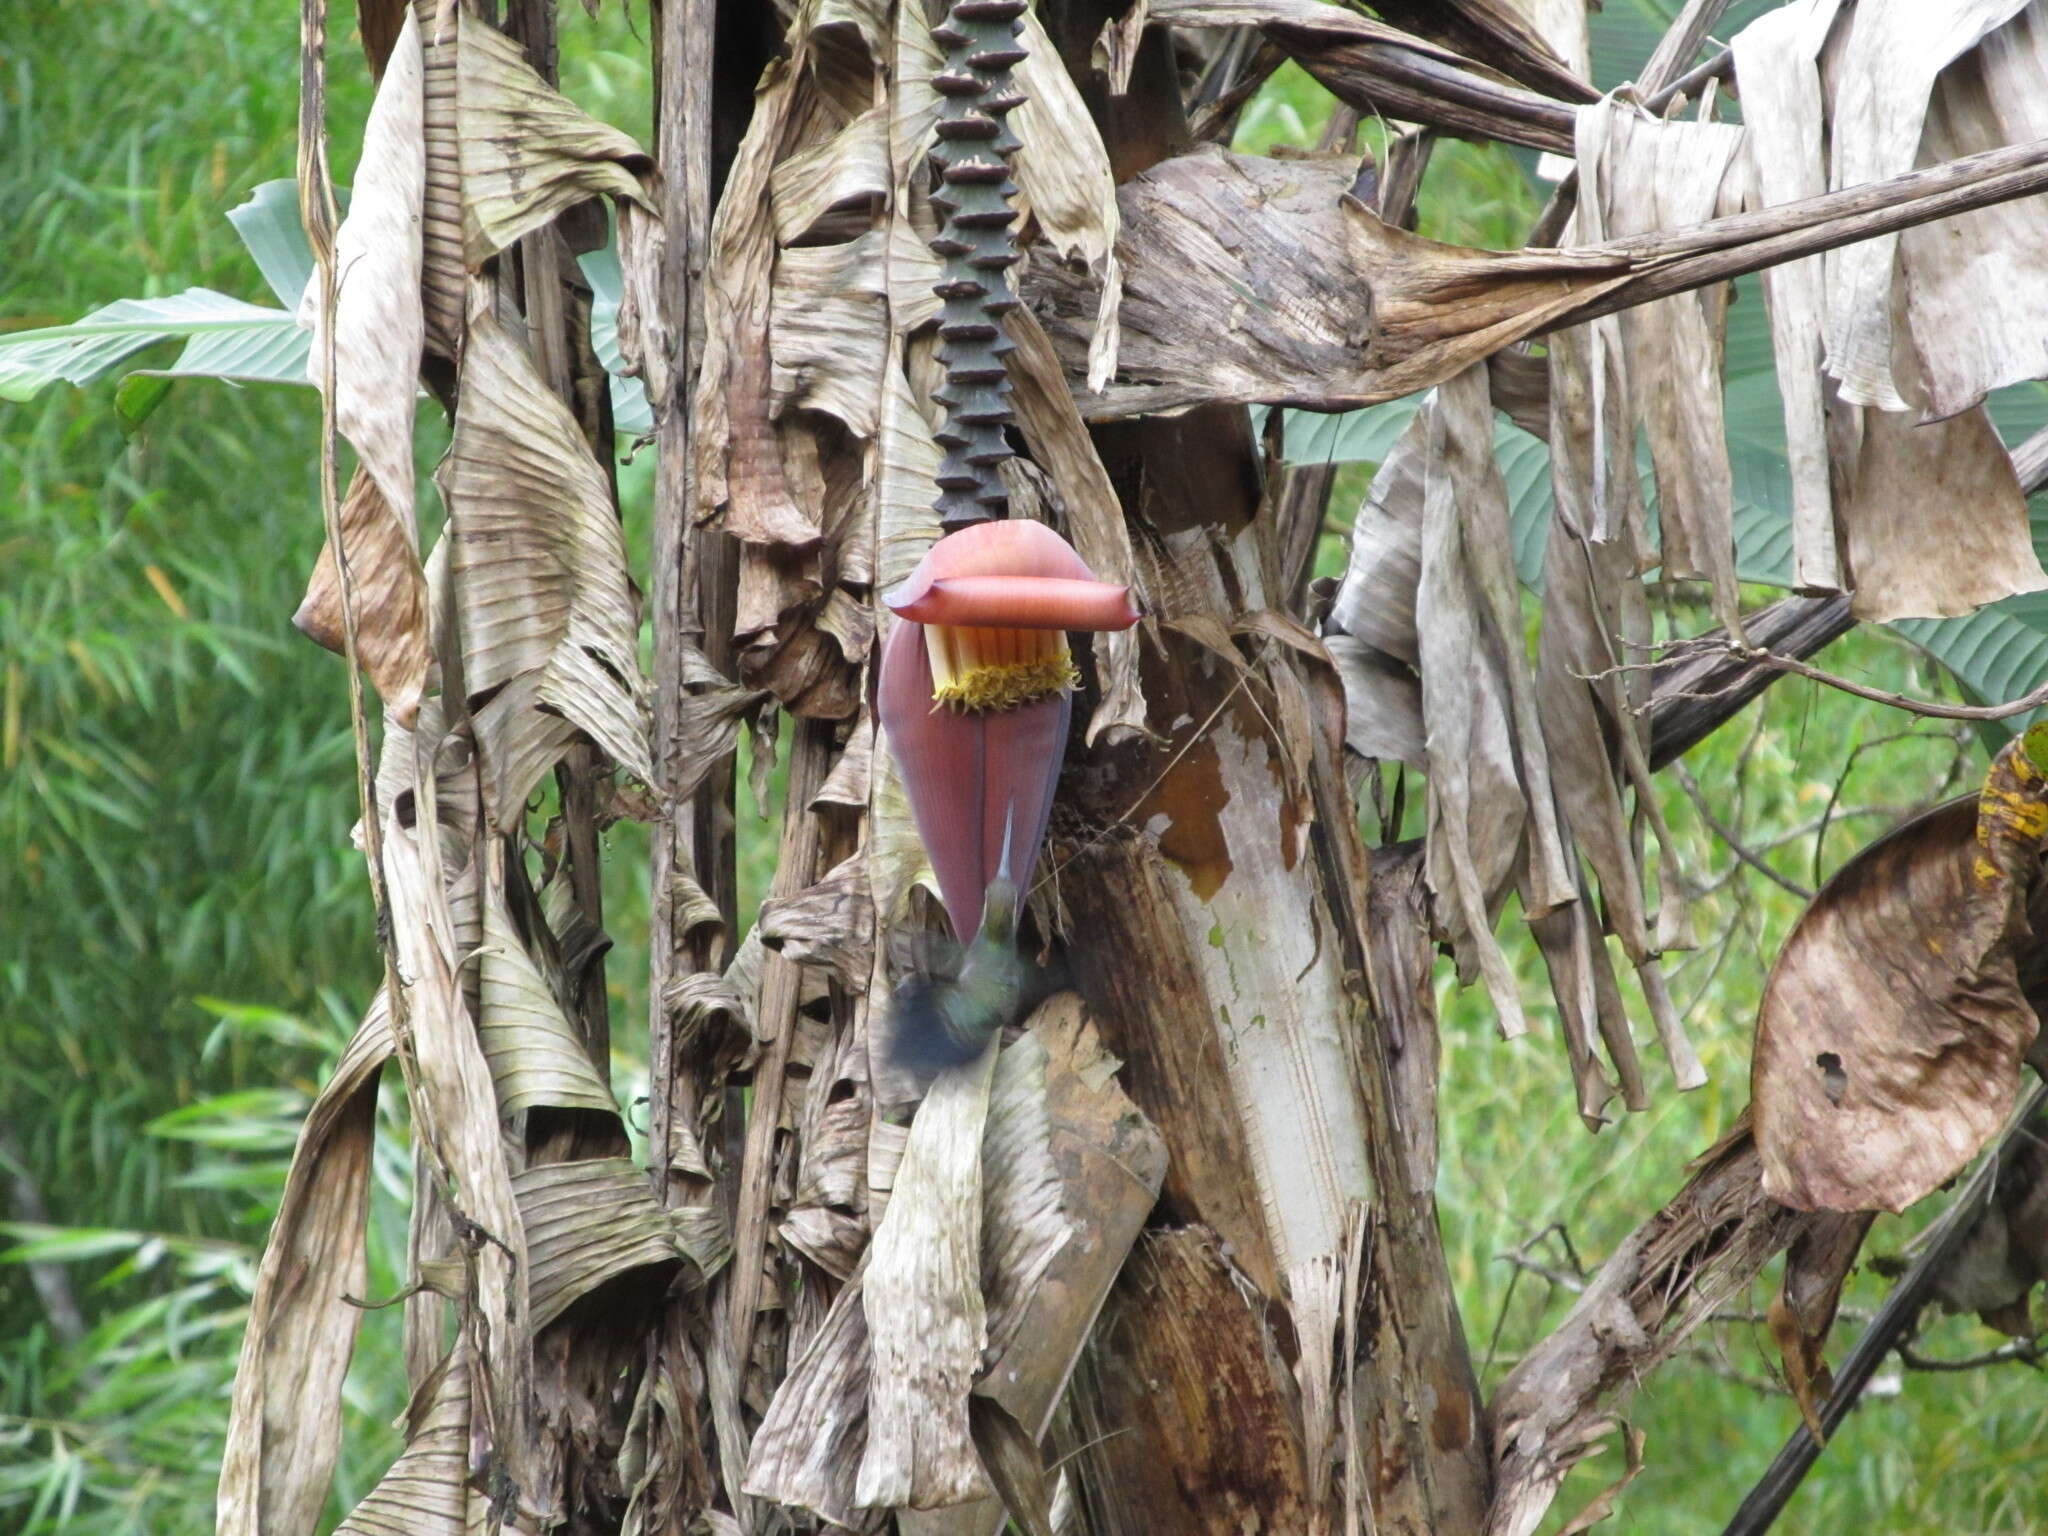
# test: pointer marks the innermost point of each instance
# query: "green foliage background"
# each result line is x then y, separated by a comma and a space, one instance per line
184, 927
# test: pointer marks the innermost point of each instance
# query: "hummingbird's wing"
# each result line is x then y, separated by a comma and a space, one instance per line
935, 1024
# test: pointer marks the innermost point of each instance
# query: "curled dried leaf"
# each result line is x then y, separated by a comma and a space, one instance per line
390, 594
587, 1221
1893, 1025
426, 1492
830, 924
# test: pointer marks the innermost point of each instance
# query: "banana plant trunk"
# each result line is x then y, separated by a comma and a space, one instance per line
1283, 1350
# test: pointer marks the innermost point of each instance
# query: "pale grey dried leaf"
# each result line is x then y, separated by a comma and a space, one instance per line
1975, 287
1065, 182
455, 1109
737, 454
1639, 174
1882, 79
646, 343
538, 553
829, 924
828, 330
926, 1320
1375, 601
1933, 519
1060, 445
905, 479
426, 1492
1382, 702
528, 152
849, 170
846, 786
707, 729
536, 1057
444, 276
1072, 1169
519, 743
1489, 793
284, 1429
587, 1221
378, 321
811, 1439
1777, 57
698, 998
1247, 279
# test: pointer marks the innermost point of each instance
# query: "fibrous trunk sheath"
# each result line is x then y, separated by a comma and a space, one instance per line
978, 247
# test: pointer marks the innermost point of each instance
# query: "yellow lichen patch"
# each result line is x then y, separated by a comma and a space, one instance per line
987, 669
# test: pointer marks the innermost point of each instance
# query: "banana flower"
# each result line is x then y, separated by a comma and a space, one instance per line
976, 691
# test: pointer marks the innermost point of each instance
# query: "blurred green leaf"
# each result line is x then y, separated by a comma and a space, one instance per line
225, 339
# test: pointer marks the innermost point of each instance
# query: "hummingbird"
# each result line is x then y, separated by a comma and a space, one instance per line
941, 1022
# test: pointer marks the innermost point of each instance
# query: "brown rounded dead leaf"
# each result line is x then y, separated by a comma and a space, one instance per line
1893, 1026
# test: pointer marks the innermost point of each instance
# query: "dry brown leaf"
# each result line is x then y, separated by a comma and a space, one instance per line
1250, 279
1893, 1025
1934, 521
528, 152
740, 483
1065, 182
828, 328
284, 1430
390, 592
444, 277
378, 23
1070, 1169
1777, 58
1998, 1263
1060, 444
538, 554
1923, 521
849, 171
1816, 1268
587, 1221
1490, 800
1383, 71
1976, 286
454, 1107
1512, 36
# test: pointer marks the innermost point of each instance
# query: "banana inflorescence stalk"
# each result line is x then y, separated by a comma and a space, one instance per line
978, 246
